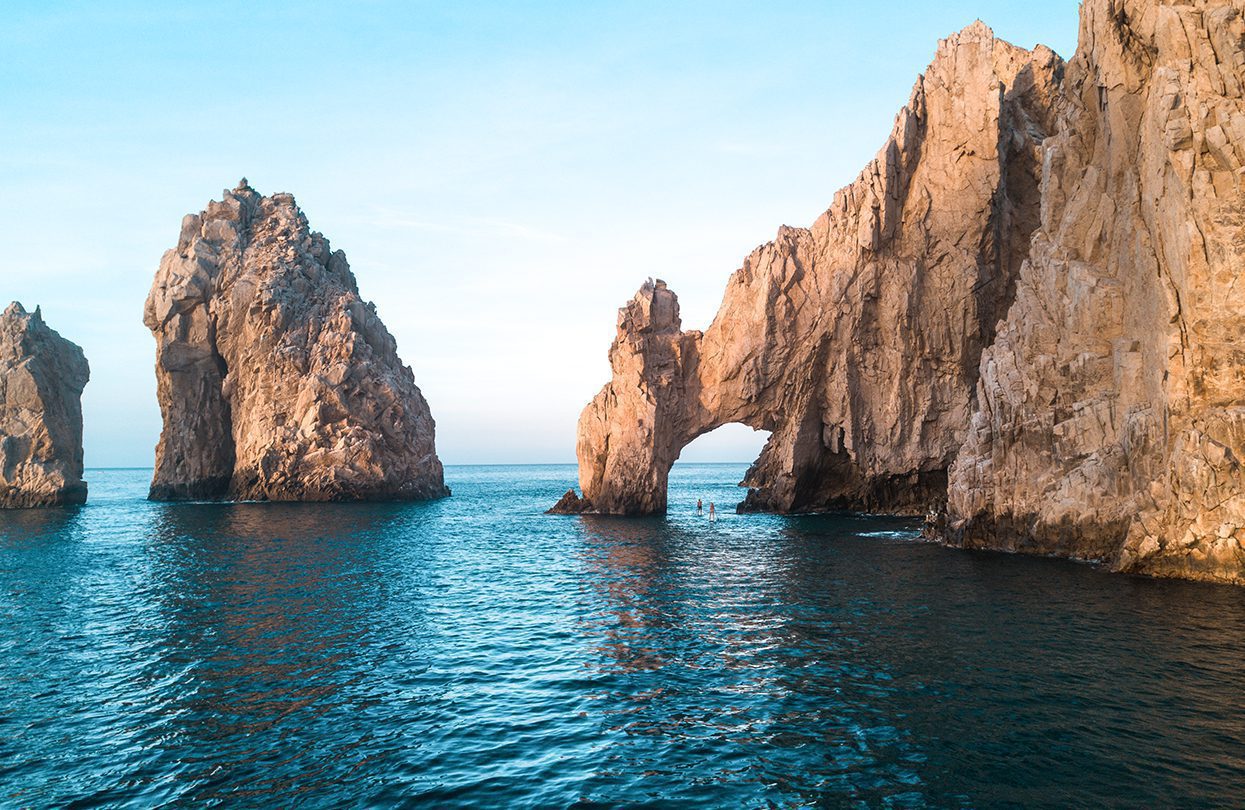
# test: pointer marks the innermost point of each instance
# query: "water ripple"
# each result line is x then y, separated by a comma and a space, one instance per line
476, 652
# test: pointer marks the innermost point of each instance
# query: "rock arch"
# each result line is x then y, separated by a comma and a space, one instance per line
854, 342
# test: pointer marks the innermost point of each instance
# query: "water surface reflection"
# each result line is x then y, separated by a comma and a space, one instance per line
476, 652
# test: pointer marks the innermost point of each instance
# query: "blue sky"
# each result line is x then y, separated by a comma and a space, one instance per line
502, 176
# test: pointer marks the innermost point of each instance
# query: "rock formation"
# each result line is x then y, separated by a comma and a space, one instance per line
570, 504
1111, 408
855, 342
42, 376
1103, 417
276, 380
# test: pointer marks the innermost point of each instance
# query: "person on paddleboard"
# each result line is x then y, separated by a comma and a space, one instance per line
700, 509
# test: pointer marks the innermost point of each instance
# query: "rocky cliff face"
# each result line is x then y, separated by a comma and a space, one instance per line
276, 380
1111, 408
42, 376
1108, 416
855, 342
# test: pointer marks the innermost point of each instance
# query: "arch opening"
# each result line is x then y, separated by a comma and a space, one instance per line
713, 467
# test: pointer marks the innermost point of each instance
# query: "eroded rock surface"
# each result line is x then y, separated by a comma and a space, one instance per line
276, 380
1108, 417
1111, 408
856, 342
42, 377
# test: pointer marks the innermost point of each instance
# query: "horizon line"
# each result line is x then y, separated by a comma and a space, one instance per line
471, 464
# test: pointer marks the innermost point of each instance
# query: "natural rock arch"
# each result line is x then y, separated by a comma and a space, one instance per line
856, 341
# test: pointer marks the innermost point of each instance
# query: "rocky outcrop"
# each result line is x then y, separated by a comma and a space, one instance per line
42, 376
570, 504
1108, 416
275, 379
856, 341
1111, 408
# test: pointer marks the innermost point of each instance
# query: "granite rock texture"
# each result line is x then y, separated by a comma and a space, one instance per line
1110, 419
276, 381
856, 341
42, 377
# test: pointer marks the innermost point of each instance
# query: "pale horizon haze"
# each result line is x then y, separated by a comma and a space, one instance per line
501, 176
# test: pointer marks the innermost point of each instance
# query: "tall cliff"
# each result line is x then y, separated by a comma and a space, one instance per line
275, 379
1111, 407
42, 377
856, 342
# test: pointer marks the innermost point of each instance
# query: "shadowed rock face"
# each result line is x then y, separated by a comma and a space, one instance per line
855, 342
42, 376
276, 380
1111, 415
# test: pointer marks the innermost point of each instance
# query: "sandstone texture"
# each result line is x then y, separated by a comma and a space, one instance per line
276, 380
42, 377
1110, 418
855, 342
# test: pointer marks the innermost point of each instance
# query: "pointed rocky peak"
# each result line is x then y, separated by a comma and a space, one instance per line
653, 310
17, 318
974, 35
976, 30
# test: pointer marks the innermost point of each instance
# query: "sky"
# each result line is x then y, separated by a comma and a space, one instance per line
502, 176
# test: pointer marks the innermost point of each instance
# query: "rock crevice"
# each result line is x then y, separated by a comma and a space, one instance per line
1111, 406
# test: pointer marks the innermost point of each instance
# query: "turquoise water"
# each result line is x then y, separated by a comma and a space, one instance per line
475, 652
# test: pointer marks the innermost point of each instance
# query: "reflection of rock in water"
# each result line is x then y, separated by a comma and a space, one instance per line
627, 563
39, 525
273, 611
713, 639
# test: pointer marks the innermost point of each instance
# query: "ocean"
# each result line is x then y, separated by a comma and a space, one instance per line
476, 652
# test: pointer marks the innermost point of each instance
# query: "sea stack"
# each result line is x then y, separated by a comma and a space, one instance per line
276, 380
856, 342
42, 376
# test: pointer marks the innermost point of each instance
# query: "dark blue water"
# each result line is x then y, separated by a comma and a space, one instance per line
476, 652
